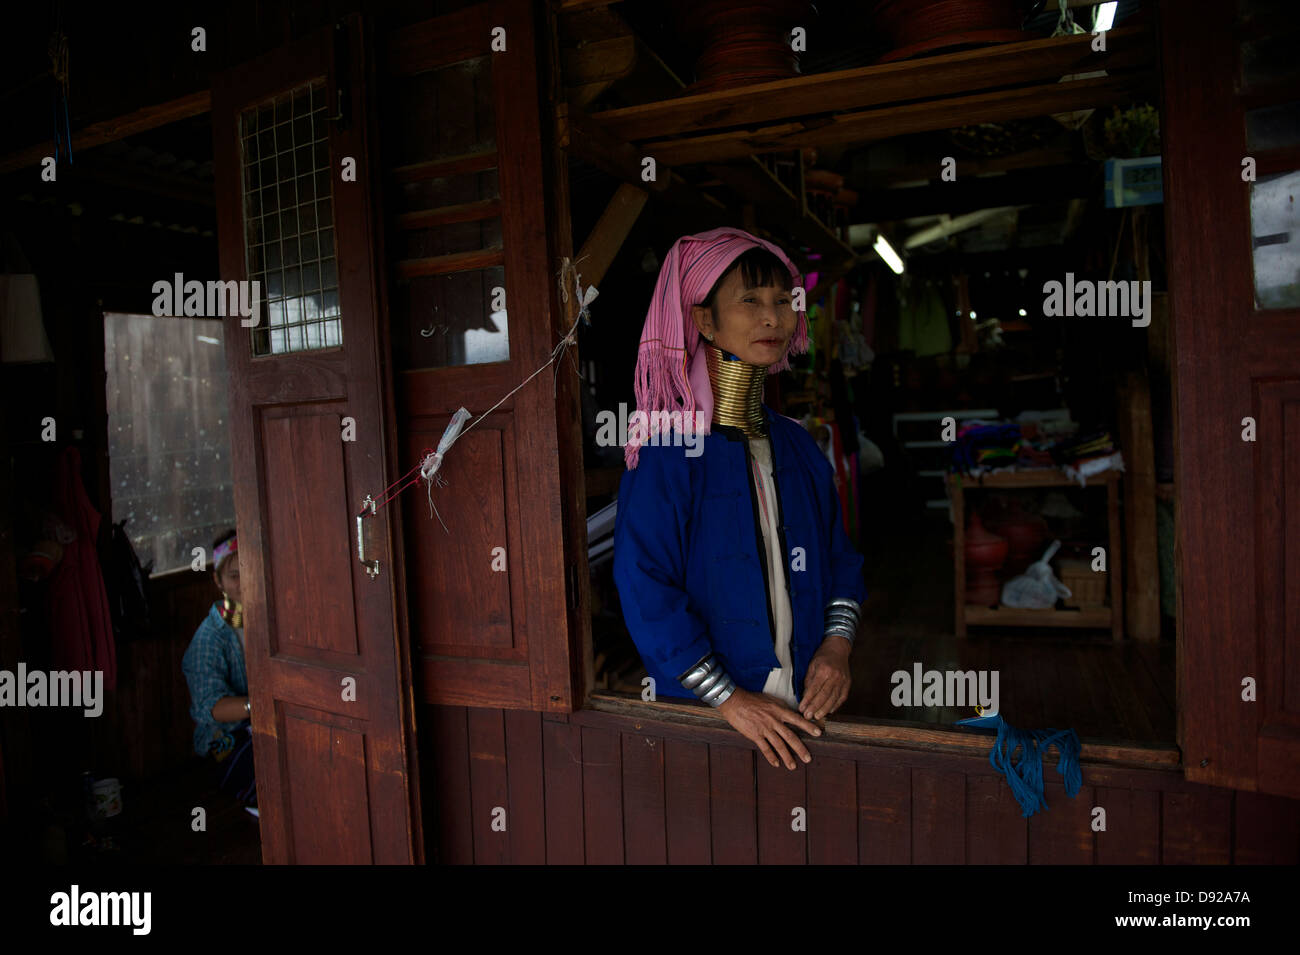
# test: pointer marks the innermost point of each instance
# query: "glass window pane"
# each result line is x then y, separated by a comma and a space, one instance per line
168, 438
447, 190
1271, 59
454, 104
289, 239
447, 239
1273, 127
1275, 240
444, 320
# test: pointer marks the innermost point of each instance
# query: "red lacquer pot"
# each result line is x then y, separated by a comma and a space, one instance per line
1026, 535
985, 553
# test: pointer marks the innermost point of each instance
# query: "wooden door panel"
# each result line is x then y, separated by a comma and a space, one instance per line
307, 515
465, 198
1278, 522
325, 766
305, 376
467, 382
328, 673
1238, 501
475, 511
464, 680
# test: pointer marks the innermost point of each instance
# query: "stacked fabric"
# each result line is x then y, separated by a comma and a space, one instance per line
1088, 454
1035, 450
1034, 454
984, 445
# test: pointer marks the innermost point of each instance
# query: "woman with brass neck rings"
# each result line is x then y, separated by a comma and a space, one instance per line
215, 670
738, 583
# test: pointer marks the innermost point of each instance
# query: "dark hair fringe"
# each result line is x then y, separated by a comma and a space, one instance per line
758, 267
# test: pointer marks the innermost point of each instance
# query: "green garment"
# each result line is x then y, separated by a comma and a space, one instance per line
923, 323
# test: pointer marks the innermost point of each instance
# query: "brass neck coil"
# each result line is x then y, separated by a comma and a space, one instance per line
737, 392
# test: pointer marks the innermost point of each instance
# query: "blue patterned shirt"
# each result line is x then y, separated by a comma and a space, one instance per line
214, 667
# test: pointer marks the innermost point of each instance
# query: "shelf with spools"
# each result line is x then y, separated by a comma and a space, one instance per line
1104, 617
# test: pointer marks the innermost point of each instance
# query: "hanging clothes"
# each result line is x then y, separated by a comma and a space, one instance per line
80, 621
923, 321
869, 310
843, 485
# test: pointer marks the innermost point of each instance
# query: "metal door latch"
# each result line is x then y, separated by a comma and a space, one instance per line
371, 566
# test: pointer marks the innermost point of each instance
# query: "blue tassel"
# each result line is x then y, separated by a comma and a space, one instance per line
1025, 776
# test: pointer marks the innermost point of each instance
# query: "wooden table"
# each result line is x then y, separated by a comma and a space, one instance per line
1112, 616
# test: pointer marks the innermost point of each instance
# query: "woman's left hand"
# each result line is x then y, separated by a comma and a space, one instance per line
826, 686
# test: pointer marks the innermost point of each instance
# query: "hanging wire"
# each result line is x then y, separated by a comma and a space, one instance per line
424, 471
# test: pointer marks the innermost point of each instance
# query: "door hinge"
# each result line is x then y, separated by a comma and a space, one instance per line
342, 79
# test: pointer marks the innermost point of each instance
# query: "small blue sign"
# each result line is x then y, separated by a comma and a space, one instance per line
1134, 182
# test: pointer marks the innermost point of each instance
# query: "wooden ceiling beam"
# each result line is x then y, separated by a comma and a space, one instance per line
877, 124
609, 233
868, 177
111, 130
123, 178
778, 206
624, 162
577, 6
1031, 61
693, 209
971, 192
579, 135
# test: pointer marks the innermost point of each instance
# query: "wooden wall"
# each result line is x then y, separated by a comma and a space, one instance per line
595, 787
147, 727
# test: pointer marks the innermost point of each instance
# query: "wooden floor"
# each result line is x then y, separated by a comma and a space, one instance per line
155, 826
1046, 678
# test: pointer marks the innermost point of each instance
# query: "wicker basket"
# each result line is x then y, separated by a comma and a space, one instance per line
1087, 586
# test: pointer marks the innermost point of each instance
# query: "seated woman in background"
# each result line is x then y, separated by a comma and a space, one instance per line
218, 681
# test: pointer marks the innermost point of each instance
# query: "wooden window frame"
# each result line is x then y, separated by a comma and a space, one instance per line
879, 733
699, 716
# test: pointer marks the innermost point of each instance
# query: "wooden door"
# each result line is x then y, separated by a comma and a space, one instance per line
494, 594
310, 409
1230, 94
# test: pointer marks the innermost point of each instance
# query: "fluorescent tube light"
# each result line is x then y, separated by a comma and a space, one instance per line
886, 251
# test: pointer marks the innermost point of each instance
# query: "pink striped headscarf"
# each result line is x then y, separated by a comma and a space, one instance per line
671, 374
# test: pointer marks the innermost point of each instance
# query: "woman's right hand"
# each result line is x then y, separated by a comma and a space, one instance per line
762, 719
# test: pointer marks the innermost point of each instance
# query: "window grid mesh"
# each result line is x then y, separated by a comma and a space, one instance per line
288, 222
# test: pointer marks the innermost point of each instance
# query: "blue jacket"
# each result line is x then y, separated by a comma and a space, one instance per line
687, 564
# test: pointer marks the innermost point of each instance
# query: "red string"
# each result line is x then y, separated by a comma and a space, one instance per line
385, 496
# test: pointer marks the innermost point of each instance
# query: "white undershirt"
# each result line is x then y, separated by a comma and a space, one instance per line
780, 681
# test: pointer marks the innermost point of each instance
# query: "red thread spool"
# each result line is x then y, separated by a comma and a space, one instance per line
739, 42
922, 26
